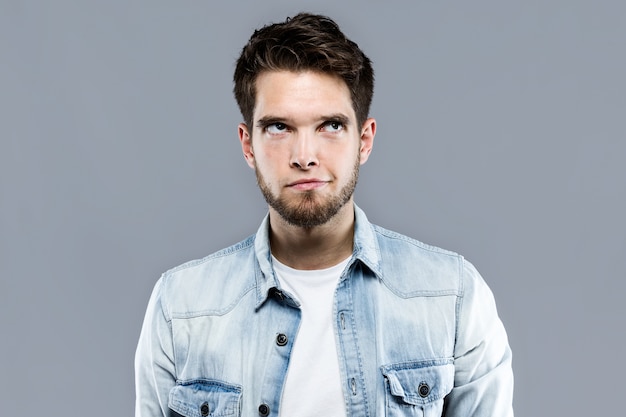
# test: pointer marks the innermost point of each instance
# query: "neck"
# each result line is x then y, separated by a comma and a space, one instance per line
313, 248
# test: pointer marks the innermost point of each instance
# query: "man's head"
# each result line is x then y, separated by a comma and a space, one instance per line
304, 91
305, 42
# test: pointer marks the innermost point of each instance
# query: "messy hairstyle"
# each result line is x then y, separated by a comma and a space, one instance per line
305, 42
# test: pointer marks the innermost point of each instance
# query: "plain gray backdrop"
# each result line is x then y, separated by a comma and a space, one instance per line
501, 135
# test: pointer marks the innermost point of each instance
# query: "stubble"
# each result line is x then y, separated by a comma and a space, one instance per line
309, 209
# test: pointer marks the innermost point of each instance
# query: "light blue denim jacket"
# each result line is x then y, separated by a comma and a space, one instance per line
416, 328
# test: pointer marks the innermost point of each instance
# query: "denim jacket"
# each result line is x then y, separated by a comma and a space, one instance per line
416, 328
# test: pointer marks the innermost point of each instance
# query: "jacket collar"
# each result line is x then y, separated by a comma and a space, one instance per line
365, 250
366, 243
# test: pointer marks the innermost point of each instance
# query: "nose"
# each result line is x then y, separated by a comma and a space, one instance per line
304, 153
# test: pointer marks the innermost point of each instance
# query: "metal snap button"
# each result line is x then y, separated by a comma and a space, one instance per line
423, 390
277, 294
264, 410
281, 339
204, 409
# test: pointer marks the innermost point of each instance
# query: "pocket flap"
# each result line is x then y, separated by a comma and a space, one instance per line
202, 398
420, 382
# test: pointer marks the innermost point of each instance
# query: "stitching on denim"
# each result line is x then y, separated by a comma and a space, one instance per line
427, 363
210, 382
398, 236
459, 302
215, 312
421, 293
358, 350
238, 247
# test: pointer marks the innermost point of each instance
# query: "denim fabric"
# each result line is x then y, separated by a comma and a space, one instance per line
416, 328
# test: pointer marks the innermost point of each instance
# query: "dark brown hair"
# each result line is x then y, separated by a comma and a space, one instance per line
305, 42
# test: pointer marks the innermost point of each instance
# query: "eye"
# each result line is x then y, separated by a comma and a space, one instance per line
276, 128
332, 126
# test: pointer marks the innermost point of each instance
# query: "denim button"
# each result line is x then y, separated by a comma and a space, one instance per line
423, 390
204, 409
281, 339
264, 410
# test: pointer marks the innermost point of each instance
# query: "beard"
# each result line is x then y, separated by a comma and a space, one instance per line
309, 210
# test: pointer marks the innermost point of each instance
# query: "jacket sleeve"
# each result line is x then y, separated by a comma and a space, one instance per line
483, 381
154, 360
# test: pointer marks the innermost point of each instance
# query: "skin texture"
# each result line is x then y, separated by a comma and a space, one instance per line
306, 149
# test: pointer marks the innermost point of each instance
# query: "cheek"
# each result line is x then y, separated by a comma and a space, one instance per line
269, 149
268, 163
265, 159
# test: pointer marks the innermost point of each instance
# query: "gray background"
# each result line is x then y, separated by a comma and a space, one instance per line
501, 135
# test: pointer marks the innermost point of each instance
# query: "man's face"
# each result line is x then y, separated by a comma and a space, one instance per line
305, 145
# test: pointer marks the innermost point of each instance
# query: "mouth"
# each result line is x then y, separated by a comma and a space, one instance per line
307, 184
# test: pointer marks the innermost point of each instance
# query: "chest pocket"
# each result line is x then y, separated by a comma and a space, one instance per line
205, 398
417, 388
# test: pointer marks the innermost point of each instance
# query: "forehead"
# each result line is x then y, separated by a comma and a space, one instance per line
301, 92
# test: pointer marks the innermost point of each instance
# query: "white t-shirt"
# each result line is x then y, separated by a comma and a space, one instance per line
313, 385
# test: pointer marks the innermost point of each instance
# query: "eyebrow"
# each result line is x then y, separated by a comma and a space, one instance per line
270, 120
338, 117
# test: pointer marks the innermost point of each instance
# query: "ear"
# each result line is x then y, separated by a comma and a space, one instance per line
246, 144
368, 131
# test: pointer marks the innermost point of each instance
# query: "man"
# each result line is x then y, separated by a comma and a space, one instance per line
320, 312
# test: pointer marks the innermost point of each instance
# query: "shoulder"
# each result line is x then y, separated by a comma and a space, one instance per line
411, 267
211, 285
223, 257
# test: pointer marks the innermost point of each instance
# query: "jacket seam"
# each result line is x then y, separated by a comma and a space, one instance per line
238, 247
414, 242
215, 312
459, 303
358, 350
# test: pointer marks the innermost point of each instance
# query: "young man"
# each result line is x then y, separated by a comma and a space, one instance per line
320, 312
